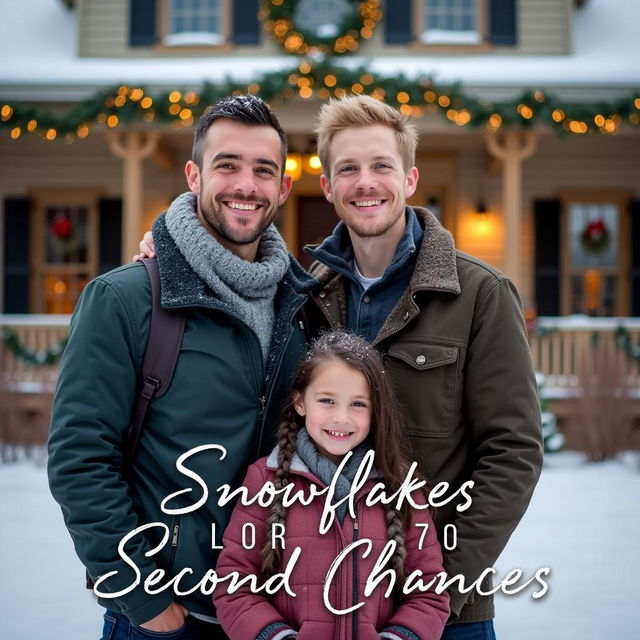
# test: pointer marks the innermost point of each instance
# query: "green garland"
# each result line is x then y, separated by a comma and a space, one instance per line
544, 332
40, 358
623, 340
621, 335
321, 80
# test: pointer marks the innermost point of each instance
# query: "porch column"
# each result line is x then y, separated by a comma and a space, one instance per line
133, 147
512, 148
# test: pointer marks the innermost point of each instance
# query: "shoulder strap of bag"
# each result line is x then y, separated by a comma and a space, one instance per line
160, 357
159, 361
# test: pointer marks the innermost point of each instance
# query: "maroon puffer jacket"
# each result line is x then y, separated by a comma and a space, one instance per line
245, 615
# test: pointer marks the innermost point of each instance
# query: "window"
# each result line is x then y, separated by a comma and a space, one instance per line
194, 22
450, 22
64, 244
321, 18
595, 256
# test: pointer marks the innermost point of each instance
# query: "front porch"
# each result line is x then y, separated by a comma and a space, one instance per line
29, 355
590, 368
560, 345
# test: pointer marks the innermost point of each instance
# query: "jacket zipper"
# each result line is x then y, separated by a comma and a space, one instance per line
174, 542
342, 622
263, 401
265, 397
355, 580
252, 337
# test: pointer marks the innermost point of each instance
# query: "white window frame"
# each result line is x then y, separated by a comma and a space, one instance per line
195, 38
450, 37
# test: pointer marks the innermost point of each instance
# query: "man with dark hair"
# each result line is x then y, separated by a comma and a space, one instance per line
226, 268
244, 109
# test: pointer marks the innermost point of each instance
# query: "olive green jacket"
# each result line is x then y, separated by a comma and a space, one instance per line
456, 349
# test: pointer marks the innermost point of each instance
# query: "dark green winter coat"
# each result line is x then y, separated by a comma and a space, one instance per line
456, 349
218, 396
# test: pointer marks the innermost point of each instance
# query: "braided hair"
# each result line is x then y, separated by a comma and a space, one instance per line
389, 439
287, 440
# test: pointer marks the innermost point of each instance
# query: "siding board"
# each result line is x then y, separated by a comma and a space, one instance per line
543, 27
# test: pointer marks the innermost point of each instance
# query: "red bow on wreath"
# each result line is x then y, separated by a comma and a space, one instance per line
595, 236
595, 230
61, 227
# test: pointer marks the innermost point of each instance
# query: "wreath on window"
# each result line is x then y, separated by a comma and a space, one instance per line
320, 28
595, 236
66, 238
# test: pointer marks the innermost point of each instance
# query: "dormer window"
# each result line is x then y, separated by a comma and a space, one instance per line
450, 22
194, 23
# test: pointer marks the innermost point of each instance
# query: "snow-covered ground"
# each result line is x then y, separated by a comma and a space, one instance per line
583, 523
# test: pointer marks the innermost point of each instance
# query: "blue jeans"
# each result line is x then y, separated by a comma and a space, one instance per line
119, 627
470, 631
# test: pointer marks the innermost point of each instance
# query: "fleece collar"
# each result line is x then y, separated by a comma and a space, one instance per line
435, 268
336, 251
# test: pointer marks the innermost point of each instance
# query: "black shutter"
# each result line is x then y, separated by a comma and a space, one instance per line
246, 29
142, 23
547, 269
635, 257
110, 234
398, 19
16, 255
502, 22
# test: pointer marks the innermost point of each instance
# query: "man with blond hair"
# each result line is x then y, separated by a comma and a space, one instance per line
452, 333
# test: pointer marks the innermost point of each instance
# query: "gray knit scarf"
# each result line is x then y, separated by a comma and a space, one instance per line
248, 287
324, 469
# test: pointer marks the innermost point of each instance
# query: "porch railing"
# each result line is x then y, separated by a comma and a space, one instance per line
557, 348
36, 335
560, 344
29, 354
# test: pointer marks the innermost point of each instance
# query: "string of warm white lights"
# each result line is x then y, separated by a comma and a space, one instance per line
321, 80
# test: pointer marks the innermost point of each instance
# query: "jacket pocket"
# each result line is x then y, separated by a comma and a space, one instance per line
425, 378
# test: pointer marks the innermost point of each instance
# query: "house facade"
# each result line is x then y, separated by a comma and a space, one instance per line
558, 212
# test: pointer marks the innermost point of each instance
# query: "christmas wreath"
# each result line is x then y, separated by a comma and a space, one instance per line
595, 236
318, 29
66, 238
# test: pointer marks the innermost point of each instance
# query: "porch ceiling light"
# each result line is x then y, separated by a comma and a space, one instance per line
293, 166
481, 210
312, 165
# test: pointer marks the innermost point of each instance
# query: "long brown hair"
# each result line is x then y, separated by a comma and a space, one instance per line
387, 435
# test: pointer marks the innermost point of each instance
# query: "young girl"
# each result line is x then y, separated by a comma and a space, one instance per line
341, 402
